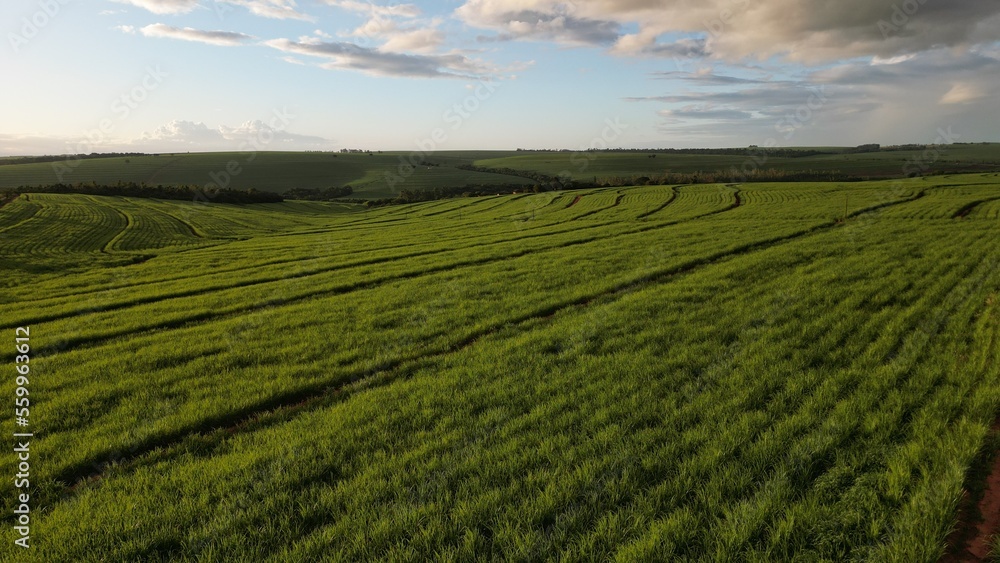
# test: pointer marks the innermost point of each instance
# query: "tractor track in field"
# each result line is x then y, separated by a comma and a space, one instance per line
575, 201
395, 216
34, 211
970, 207
461, 210
616, 203
190, 228
662, 206
738, 202
279, 407
109, 247
555, 199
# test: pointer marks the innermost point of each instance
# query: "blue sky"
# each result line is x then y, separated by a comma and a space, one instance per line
170, 75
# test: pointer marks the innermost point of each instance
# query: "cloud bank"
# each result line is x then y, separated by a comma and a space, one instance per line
800, 30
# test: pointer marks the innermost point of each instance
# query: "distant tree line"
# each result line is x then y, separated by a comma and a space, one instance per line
159, 191
904, 148
898, 148
873, 147
753, 149
58, 158
319, 194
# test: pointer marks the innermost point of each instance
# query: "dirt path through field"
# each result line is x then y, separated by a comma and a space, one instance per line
978, 521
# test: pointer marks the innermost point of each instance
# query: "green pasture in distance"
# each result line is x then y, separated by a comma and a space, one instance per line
745, 372
587, 166
372, 176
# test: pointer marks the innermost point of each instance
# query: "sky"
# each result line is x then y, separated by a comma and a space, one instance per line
87, 76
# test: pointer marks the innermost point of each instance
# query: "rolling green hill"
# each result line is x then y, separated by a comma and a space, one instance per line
741, 372
373, 176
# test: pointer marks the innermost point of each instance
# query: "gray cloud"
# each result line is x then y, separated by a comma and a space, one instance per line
938, 63
221, 38
682, 48
778, 95
343, 55
546, 22
706, 113
709, 78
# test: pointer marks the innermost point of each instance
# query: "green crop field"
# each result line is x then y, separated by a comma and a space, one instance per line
731, 372
884, 164
372, 176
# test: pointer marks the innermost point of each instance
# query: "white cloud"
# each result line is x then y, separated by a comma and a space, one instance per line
163, 7
221, 38
705, 112
892, 60
274, 9
177, 135
963, 93
190, 135
184, 132
398, 28
417, 40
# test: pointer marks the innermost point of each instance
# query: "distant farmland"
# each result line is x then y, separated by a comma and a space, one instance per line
720, 372
883, 164
384, 175
372, 176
